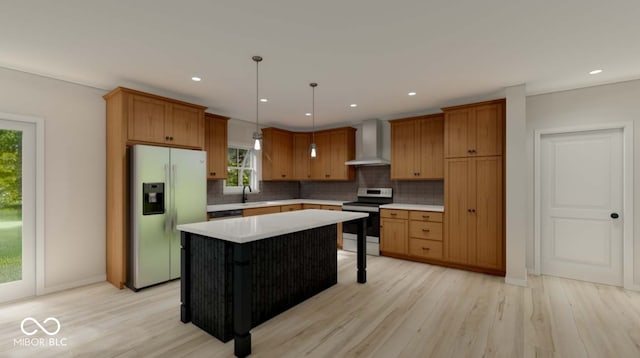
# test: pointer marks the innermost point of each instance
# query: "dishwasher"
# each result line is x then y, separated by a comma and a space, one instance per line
224, 214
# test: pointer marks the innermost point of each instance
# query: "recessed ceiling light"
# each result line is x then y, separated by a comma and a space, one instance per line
411, 93
308, 114
264, 100
595, 72
196, 79
353, 105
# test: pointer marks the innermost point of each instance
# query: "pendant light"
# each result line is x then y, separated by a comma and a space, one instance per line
313, 119
257, 135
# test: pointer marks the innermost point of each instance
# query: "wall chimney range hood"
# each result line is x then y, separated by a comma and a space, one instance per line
371, 135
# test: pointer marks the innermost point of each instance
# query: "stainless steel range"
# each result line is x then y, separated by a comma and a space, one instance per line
369, 201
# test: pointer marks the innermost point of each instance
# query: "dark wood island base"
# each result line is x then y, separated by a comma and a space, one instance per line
227, 288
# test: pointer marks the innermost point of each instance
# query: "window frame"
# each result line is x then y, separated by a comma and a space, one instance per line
256, 178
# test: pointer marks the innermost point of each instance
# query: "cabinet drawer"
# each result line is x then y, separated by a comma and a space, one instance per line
292, 207
311, 206
394, 214
261, 211
425, 230
331, 207
426, 216
425, 248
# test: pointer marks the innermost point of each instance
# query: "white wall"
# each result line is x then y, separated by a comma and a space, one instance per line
74, 119
516, 216
601, 104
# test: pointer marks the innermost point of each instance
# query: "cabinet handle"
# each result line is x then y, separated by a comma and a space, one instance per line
426, 248
426, 230
284, 175
171, 138
166, 137
425, 216
468, 210
473, 210
393, 214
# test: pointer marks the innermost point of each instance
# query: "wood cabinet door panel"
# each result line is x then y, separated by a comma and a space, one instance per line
489, 131
458, 133
311, 206
339, 171
146, 119
431, 156
282, 155
301, 156
216, 147
185, 126
321, 164
403, 150
393, 236
458, 202
335, 208
489, 213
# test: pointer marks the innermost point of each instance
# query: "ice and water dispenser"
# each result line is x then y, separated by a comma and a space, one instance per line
152, 198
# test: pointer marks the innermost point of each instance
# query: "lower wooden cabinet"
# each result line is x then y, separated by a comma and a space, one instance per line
335, 208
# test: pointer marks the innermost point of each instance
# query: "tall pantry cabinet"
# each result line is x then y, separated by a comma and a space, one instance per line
474, 185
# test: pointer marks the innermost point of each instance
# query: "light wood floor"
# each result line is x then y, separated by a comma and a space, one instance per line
405, 310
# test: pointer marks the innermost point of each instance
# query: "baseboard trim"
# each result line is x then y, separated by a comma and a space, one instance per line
74, 284
516, 281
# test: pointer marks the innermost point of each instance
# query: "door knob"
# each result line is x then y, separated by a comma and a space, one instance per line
614, 215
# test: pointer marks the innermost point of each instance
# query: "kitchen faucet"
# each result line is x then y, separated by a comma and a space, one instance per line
244, 196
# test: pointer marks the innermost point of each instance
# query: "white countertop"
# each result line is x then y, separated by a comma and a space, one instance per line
253, 228
260, 204
418, 207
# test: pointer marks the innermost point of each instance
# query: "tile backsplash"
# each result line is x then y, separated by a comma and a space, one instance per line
409, 192
269, 190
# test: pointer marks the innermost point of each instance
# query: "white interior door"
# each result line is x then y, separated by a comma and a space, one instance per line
581, 193
17, 209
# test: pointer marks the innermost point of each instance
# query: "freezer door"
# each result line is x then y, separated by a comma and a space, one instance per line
189, 183
149, 233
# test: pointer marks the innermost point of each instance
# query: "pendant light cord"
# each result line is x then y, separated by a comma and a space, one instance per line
313, 114
257, 96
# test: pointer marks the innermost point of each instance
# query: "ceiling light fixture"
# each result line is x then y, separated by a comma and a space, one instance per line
353, 105
264, 100
313, 119
411, 93
257, 135
196, 79
308, 114
595, 72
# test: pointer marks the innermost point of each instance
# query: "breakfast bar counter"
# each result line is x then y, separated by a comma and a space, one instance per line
240, 272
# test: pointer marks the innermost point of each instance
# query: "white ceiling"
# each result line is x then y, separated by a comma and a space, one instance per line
369, 52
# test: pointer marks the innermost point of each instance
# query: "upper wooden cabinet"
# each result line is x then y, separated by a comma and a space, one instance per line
215, 143
417, 148
474, 130
158, 120
277, 154
334, 147
301, 156
287, 155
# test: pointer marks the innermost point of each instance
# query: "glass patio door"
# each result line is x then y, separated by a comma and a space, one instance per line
17, 209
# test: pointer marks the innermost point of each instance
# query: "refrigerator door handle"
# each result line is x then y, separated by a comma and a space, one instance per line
167, 220
174, 211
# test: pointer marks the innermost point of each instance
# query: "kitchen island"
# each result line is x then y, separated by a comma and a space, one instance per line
240, 272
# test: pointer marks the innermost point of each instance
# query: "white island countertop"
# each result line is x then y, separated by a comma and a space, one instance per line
253, 228
417, 207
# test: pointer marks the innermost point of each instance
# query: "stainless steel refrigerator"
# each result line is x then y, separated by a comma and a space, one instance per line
168, 187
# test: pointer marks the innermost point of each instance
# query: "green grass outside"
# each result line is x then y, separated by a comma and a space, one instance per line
10, 245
